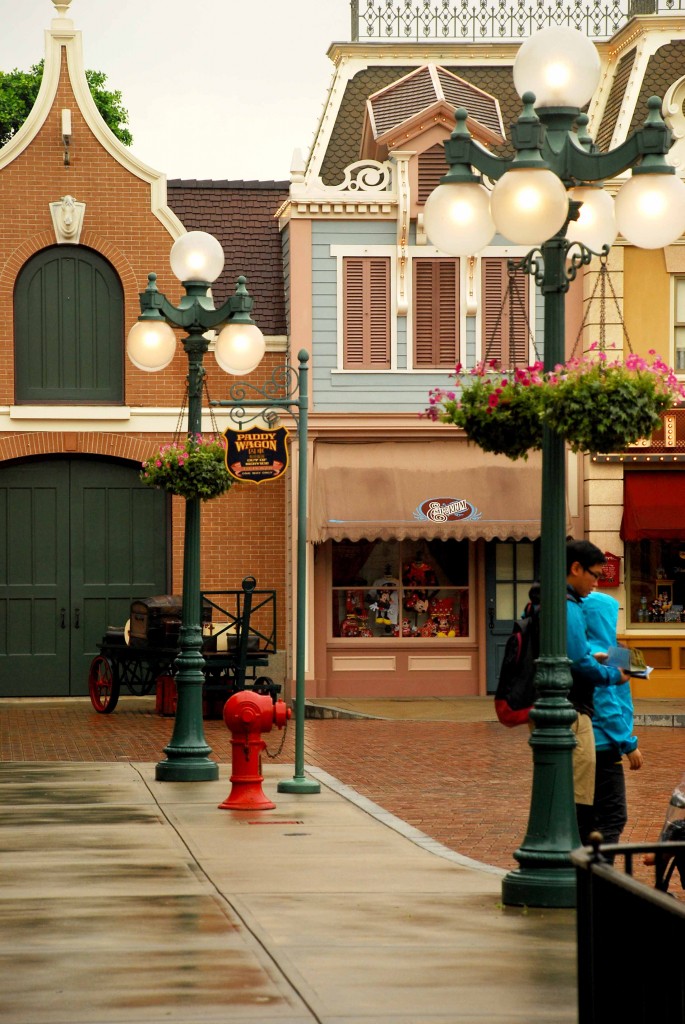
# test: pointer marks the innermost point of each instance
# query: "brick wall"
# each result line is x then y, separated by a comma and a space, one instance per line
244, 531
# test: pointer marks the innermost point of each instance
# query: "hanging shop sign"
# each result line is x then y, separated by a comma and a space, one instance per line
447, 510
256, 455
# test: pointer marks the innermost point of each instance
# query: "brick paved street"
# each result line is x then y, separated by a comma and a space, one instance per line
464, 784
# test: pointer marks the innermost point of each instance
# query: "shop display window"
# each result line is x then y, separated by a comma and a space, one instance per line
390, 589
656, 574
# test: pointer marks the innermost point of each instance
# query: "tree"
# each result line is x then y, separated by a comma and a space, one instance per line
19, 89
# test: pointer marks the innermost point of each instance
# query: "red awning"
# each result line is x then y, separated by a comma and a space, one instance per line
654, 506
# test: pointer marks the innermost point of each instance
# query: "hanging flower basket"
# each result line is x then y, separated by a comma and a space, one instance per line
602, 406
500, 413
194, 468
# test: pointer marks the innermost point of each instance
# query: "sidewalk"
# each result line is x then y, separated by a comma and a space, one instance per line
131, 901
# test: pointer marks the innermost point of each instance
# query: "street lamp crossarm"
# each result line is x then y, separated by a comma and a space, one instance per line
572, 156
196, 308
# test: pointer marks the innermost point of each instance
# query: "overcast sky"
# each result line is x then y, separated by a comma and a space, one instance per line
214, 88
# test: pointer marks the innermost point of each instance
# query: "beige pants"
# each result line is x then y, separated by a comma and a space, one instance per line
583, 760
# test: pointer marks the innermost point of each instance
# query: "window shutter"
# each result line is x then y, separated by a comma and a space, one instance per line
495, 320
506, 329
366, 312
436, 313
519, 332
432, 167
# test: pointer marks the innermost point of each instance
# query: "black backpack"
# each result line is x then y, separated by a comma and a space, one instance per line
515, 692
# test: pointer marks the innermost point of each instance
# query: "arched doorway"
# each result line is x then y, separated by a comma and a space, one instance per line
80, 538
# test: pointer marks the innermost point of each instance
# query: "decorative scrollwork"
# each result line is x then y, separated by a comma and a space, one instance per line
248, 402
532, 263
366, 176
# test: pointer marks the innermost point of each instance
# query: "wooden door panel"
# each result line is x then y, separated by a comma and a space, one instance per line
118, 544
34, 579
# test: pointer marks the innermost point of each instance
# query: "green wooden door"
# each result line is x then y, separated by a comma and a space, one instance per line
34, 579
81, 539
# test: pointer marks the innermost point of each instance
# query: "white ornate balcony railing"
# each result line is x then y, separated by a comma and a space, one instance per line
481, 20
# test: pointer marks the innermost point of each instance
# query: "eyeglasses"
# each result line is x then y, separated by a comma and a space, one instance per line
597, 575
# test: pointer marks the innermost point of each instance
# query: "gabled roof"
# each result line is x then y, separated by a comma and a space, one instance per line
404, 107
344, 145
241, 214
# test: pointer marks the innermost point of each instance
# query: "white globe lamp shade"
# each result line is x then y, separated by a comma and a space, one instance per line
197, 256
529, 205
596, 224
457, 218
560, 65
151, 345
650, 210
239, 348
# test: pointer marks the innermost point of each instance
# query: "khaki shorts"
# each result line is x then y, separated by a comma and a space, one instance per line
583, 760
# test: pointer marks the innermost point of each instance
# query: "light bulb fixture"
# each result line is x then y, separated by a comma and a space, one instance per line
529, 205
650, 209
197, 256
560, 65
596, 224
457, 218
239, 348
151, 345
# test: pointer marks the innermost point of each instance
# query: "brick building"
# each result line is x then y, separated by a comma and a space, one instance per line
82, 223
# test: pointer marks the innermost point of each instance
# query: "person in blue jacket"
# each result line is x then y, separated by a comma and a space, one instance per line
584, 562
612, 724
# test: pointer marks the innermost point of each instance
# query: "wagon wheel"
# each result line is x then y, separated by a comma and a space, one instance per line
102, 686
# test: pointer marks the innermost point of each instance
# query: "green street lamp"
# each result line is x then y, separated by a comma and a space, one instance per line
536, 200
197, 260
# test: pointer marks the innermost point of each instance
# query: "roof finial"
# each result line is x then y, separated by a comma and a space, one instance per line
62, 7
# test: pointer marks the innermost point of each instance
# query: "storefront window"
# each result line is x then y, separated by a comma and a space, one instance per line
657, 581
388, 589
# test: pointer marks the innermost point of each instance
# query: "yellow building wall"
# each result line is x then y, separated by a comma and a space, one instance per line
647, 301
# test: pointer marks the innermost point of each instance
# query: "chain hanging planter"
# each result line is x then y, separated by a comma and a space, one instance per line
193, 466
501, 413
596, 404
499, 410
603, 406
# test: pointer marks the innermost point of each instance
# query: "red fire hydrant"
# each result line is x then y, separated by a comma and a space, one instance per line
248, 714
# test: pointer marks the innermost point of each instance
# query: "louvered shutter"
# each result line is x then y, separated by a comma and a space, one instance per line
436, 313
432, 167
519, 331
494, 319
366, 312
506, 330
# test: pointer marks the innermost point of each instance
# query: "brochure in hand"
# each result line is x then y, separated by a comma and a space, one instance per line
630, 659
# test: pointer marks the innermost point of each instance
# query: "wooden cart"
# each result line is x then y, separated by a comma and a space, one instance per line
239, 635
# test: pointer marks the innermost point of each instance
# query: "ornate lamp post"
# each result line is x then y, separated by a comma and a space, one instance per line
197, 260
537, 201
288, 390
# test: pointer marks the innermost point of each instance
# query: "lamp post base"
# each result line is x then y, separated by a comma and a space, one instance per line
187, 769
540, 888
298, 784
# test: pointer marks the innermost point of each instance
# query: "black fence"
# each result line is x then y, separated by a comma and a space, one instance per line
482, 20
631, 937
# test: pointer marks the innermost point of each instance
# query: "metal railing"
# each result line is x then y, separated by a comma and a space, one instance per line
505, 20
630, 937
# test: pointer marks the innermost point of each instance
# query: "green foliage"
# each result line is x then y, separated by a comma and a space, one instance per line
194, 469
596, 405
602, 406
501, 414
19, 89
